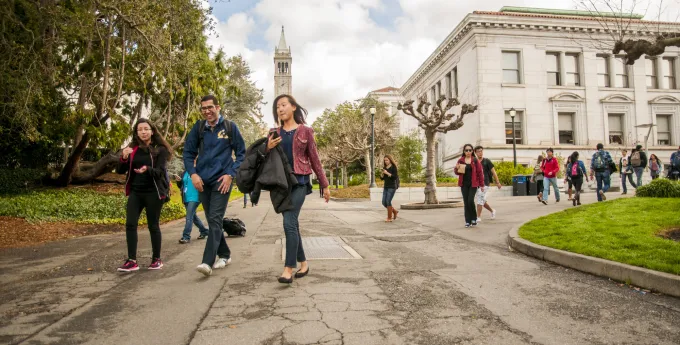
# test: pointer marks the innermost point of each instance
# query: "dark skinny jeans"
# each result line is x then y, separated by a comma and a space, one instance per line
135, 204
214, 205
291, 227
388, 195
469, 203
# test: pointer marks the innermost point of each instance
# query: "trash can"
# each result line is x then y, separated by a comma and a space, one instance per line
519, 185
532, 187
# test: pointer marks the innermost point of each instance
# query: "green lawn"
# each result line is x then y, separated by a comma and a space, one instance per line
623, 230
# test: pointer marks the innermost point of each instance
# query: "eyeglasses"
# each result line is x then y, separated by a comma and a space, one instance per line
210, 107
468, 150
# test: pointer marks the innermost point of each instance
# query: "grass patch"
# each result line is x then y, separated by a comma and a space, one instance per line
623, 230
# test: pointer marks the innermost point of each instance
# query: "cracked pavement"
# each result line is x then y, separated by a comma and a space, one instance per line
423, 279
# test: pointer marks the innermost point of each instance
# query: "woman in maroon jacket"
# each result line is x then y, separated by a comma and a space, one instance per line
297, 142
470, 177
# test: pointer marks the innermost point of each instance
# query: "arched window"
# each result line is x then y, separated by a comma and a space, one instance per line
286, 68
279, 67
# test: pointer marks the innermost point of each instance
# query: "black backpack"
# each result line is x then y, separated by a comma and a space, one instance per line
234, 227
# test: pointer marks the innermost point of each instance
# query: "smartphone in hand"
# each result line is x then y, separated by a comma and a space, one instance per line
274, 133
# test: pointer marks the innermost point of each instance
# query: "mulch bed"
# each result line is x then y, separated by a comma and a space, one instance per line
17, 232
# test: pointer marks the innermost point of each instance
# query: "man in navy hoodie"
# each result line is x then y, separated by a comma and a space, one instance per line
213, 174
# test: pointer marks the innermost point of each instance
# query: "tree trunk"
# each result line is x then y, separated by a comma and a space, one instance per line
105, 165
369, 168
330, 180
344, 176
72, 163
430, 173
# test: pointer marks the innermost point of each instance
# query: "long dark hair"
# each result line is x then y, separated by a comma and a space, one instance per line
574, 157
658, 161
392, 161
474, 157
156, 138
299, 115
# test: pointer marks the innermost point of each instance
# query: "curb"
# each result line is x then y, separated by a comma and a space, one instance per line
350, 199
422, 206
666, 283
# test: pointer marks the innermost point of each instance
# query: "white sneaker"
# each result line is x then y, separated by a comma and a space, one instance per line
493, 214
222, 263
479, 220
205, 269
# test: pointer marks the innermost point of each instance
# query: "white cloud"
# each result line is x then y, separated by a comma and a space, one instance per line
339, 52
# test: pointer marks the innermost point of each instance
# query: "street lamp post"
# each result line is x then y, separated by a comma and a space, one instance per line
649, 132
372, 110
513, 112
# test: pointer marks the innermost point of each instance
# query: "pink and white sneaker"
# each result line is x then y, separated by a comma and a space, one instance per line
156, 264
129, 266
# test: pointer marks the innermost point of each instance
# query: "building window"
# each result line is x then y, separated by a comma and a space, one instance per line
663, 130
449, 92
650, 72
620, 73
571, 64
602, 70
511, 68
669, 72
455, 81
552, 61
565, 122
616, 129
518, 127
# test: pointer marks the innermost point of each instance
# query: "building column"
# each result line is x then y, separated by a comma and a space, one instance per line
563, 70
612, 73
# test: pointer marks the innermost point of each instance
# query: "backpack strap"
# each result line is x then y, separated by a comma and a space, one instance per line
226, 124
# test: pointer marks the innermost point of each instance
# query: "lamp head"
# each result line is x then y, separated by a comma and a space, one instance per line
372, 110
513, 112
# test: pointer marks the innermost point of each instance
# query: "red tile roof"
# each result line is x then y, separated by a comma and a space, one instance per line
386, 89
534, 15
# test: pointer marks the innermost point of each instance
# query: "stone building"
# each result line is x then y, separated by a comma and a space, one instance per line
566, 95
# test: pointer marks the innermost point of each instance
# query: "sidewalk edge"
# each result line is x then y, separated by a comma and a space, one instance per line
649, 279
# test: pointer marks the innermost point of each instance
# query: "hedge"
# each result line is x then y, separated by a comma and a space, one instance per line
659, 188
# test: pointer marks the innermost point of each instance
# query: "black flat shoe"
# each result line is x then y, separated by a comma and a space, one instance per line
283, 280
299, 274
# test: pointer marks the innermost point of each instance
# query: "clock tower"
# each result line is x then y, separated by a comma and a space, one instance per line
283, 63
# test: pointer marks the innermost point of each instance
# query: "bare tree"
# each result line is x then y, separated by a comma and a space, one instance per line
620, 29
436, 120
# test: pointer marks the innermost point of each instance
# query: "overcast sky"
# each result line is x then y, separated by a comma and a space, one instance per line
342, 49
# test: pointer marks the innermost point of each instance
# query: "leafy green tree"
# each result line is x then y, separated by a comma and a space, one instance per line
409, 150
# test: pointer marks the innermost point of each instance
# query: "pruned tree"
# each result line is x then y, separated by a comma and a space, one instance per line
435, 119
620, 28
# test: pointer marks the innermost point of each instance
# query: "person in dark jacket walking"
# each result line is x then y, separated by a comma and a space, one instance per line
600, 169
638, 160
298, 143
146, 186
625, 171
470, 177
390, 176
674, 169
576, 169
213, 143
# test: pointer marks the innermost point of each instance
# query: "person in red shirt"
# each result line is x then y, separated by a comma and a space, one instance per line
550, 168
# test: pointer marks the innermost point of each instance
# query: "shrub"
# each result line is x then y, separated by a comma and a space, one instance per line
506, 170
448, 179
358, 179
77, 205
659, 188
19, 180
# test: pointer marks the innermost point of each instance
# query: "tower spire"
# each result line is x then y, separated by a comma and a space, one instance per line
282, 42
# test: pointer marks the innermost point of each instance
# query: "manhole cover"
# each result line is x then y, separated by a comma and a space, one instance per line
324, 248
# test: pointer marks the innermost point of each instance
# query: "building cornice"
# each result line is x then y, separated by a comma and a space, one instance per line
478, 21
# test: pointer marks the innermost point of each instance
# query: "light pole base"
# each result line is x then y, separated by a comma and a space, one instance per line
373, 185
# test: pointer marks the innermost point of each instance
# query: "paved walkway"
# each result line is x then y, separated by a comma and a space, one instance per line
423, 279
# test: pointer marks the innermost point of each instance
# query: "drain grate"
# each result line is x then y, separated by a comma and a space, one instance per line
324, 248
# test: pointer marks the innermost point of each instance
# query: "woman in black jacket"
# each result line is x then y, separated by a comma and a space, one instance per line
390, 175
146, 187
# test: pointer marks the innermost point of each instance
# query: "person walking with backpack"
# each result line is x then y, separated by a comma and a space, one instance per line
638, 160
538, 177
674, 171
470, 177
655, 166
213, 141
625, 170
390, 177
576, 169
191, 202
600, 167
299, 145
146, 187
550, 168
567, 178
